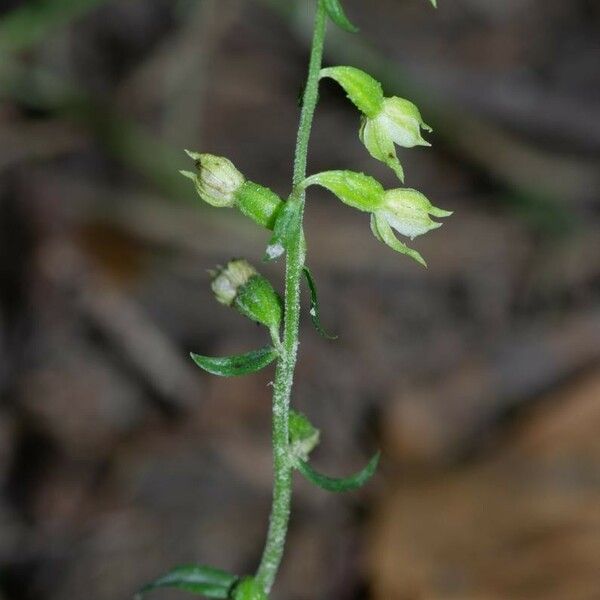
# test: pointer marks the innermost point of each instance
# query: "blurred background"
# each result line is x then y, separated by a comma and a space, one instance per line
479, 378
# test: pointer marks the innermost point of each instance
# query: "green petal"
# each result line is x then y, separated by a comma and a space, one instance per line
403, 122
364, 91
383, 232
380, 145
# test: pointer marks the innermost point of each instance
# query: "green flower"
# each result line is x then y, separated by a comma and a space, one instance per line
408, 212
386, 122
404, 210
399, 122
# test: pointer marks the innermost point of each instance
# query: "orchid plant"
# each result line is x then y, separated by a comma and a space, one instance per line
386, 122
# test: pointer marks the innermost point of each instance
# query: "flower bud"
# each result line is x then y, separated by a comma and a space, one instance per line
220, 184
304, 437
241, 286
248, 589
217, 180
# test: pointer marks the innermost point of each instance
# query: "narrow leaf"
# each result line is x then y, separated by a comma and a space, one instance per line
287, 226
332, 484
241, 364
206, 581
338, 16
362, 90
314, 305
354, 189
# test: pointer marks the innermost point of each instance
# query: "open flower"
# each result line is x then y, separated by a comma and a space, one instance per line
399, 122
409, 212
386, 122
404, 210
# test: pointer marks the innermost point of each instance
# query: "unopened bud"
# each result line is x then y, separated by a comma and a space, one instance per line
220, 184
241, 286
217, 180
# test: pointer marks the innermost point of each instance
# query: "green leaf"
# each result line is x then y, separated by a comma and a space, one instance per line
206, 581
434, 2
363, 91
241, 364
332, 484
338, 16
315, 314
354, 189
287, 227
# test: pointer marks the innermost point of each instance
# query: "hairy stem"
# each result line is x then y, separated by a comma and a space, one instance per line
284, 377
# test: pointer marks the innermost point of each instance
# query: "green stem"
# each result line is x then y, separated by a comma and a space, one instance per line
284, 377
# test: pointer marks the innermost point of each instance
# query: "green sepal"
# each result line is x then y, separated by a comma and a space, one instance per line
240, 364
257, 300
363, 91
354, 189
380, 145
248, 589
304, 436
259, 203
332, 484
197, 579
338, 16
285, 230
434, 2
383, 232
314, 312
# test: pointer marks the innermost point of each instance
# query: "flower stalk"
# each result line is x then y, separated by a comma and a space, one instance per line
386, 123
284, 377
